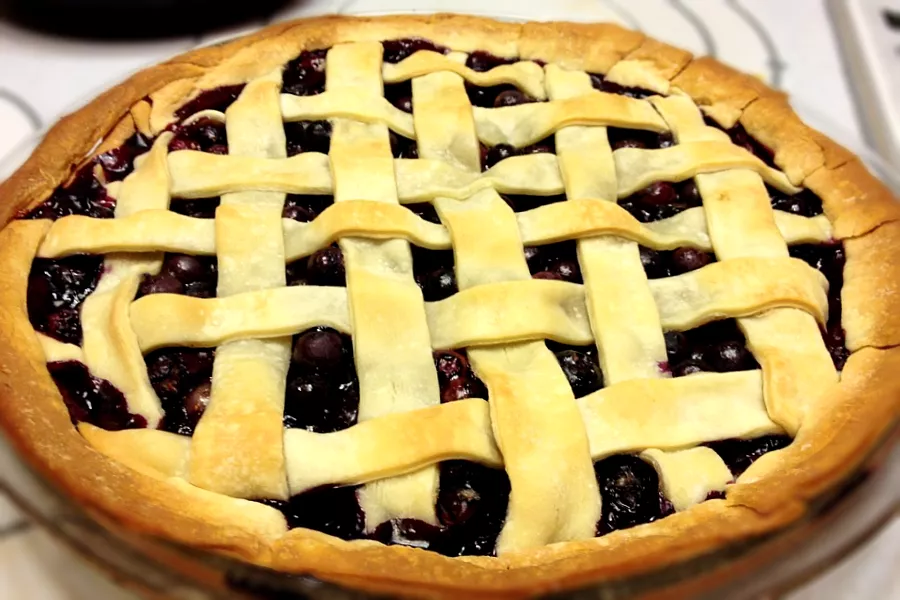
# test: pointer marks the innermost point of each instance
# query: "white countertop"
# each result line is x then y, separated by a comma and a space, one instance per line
790, 44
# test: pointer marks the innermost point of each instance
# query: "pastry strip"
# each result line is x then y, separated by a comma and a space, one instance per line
525, 75
237, 445
383, 296
154, 230
110, 347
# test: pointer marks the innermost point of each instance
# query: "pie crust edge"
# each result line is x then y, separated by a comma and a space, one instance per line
775, 492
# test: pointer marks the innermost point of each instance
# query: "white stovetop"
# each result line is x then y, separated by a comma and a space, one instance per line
791, 44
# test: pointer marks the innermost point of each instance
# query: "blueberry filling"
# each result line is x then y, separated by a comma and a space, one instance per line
322, 267
397, 50
84, 196
181, 378
408, 532
426, 211
580, 365
456, 378
497, 96
331, 510
629, 488
471, 509
402, 147
56, 290
118, 163
661, 200
636, 138
521, 203
718, 347
829, 259
305, 75
740, 137
219, 99
666, 263
322, 393
740, 454
202, 208
92, 400
599, 82
308, 136
510, 97
295, 272
491, 156
472, 503
434, 274
482, 62
204, 135
400, 95
195, 276
557, 261
305, 208
804, 204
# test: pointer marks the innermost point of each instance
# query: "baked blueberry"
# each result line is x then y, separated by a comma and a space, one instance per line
331, 510
740, 454
689, 259
630, 491
582, 373
92, 400
321, 349
326, 267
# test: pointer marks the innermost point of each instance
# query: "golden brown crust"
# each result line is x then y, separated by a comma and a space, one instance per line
594, 48
871, 292
720, 91
668, 61
651, 66
772, 494
854, 200
834, 154
772, 122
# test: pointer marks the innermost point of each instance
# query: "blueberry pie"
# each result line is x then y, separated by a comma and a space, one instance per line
438, 303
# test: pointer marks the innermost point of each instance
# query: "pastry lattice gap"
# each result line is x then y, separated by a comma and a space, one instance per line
323, 389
